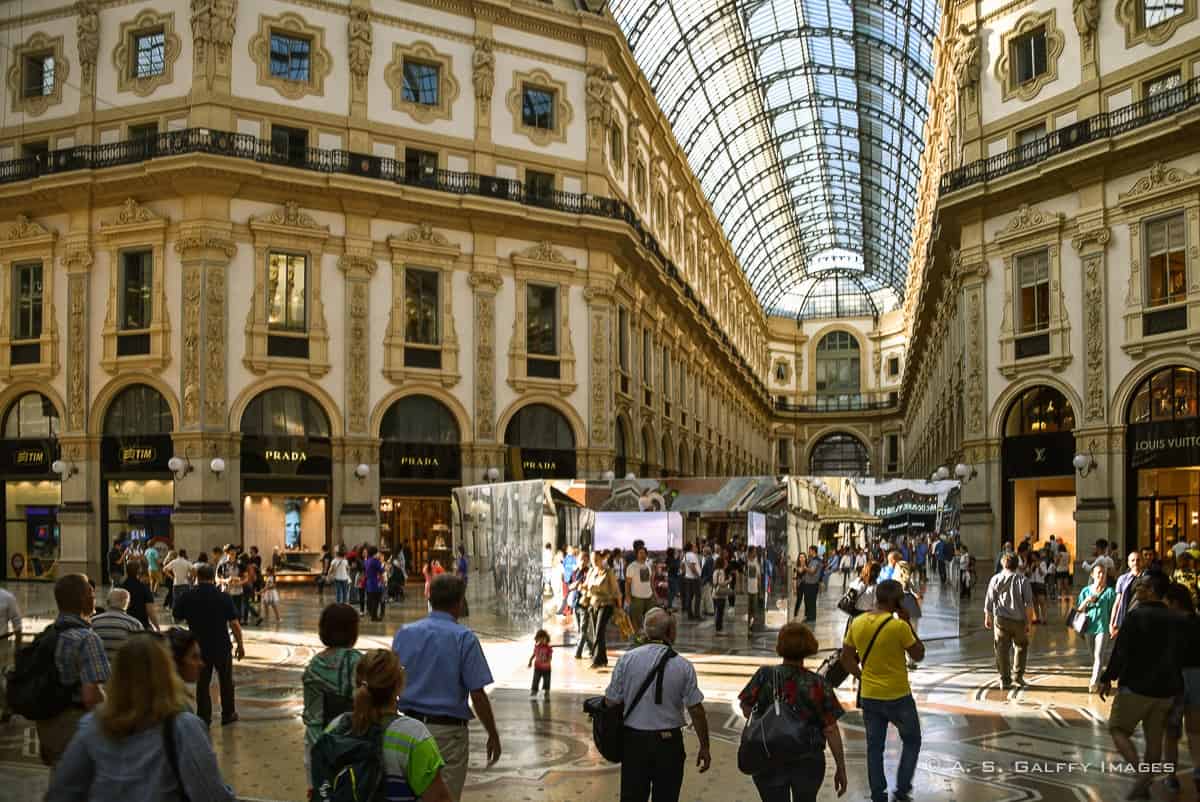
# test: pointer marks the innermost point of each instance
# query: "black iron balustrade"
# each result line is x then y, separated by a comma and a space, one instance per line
855, 402
251, 148
1101, 126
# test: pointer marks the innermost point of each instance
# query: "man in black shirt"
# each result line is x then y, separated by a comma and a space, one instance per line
210, 616
141, 598
1146, 663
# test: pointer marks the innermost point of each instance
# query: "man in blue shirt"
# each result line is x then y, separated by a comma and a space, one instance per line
568, 568
444, 664
922, 551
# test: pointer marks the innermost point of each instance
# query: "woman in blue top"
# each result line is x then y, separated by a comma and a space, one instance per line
1096, 601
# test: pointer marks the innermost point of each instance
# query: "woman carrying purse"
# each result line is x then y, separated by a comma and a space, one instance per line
1096, 602
796, 733
722, 590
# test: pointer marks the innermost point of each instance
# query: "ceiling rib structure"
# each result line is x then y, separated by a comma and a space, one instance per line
803, 122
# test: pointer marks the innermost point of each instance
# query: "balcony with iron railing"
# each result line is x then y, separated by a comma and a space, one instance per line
250, 148
1101, 126
812, 403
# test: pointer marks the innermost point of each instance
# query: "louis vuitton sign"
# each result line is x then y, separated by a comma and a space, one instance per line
1165, 444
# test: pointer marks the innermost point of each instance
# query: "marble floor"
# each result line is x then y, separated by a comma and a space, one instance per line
1046, 741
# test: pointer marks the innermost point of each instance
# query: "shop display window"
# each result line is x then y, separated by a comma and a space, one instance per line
31, 529
293, 524
139, 511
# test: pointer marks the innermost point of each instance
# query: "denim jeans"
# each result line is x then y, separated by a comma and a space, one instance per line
877, 714
341, 591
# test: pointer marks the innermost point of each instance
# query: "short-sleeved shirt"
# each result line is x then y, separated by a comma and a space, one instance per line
444, 663
180, 570
679, 688
114, 628
411, 760
808, 694
79, 655
152, 559
10, 612
139, 597
641, 580
543, 654
885, 673
208, 612
691, 565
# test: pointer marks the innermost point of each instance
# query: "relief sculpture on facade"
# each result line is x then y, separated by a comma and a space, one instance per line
77, 357
599, 379
191, 344
1094, 332
975, 371
214, 336
483, 73
87, 32
357, 391
361, 39
485, 365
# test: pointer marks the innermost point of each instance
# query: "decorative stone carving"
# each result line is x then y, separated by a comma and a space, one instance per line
361, 39
483, 74
1093, 294
291, 215
357, 263
24, 228
1087, 18
190, 378
87, 34
967, 62
131, 213
423, 232
599, 88
214, 23
975, 381
1159, 178
485, 362
545, 251
1099, 235
39, 43
214, 342
357, 390
601, 372
1027, 217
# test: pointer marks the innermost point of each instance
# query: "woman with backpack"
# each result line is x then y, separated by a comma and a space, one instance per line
141, 735
401, 758
803, 729
329, 678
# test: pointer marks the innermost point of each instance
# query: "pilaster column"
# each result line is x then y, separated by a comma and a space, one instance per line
978, 517
599, 297
485, 281
358, 518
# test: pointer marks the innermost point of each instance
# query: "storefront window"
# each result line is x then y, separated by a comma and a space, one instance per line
31, 416
139, 409
541, 444
1169, 394
31, 528
284, 412
1039, 410
139, 510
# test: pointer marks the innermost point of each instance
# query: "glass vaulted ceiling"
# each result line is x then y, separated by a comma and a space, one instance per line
803, 121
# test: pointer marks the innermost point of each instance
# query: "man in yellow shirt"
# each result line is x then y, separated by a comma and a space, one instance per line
874, 651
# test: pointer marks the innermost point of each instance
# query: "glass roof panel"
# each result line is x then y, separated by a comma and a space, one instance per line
803, 121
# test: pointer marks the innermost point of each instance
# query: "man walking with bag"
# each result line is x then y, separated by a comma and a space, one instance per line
653, 749
875, 651
1008, 608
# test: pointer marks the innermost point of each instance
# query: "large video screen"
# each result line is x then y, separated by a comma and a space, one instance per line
659, 530
756, 526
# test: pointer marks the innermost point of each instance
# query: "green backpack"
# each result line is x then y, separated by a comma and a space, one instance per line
347, 767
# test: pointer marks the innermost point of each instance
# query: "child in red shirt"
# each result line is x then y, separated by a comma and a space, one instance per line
540, 660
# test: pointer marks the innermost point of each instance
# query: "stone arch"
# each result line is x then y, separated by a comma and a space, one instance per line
13, 391
667, 451
238, 407
818, 436
684, 462
1013, 391
864, 355
114, 387
1123, 395
572, 417
436, 393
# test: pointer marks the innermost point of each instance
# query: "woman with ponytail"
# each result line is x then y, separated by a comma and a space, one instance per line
412, 765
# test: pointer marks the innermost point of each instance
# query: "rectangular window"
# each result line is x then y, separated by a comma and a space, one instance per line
537, 107
1163, 83
420, 165
623, 339
287, 297
616, 147
421, 81
1029, 56
893, 366
539, 184
290, 144
290, 57
149, 54
1033, 281
137, 282
143, 133
1166, 267
1030, 135
35, 150
639, 182
892, 453
666, 373
541, 306
785, 454
1156, 12
38, 80
27, 301
421, 305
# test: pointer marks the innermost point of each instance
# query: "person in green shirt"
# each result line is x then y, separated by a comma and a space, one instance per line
1096, 601
329, 677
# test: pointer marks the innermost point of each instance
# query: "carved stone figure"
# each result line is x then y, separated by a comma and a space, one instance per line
599, 99
87, 29
1087, 17
361, 39
483, 71
967, 61
213, 26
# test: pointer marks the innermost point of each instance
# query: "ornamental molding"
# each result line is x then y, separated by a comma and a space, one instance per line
358, 264
1028, 220
1129, 17
424, 233
423, 52
124, 54
358, 380
1055, 41
24, 228
77, 343
320, 61
544, 252
290, 215
132, 214
198, 242
563, 111
485, 282
1094, 337
1159, 180
361, 41
485, 365
37, 44
1099, 236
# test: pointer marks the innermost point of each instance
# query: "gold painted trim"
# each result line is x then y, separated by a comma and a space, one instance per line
38, 43
125, 53
320, 62
1054, 48
422, 52
1129, 14
563, 111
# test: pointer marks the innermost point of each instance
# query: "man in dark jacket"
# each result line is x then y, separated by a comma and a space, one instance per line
1146, 663
210, 616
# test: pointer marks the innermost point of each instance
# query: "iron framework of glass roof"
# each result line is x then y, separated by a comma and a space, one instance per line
803, 122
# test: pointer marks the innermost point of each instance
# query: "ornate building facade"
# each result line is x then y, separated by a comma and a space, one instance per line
1054, 293
285, 272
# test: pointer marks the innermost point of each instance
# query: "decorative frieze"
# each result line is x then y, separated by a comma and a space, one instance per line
358, 407
485, 285
1093, 296
78, 262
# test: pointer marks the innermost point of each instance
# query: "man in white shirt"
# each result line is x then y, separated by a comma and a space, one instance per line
10, 640
180, 572
753, 588
691, 582
639, 584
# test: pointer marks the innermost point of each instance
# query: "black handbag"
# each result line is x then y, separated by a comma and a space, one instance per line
608, 722
848, 601
778, 737
832, 670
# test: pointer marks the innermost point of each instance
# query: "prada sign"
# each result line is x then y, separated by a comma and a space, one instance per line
146, 454
1166, 444
286, 456
428, 461
539, 463
1034, 455
27, 456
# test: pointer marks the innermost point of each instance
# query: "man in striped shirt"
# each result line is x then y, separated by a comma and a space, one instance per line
114, 625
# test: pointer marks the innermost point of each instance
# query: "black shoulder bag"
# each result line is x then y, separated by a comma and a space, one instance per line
608, 722
777, 737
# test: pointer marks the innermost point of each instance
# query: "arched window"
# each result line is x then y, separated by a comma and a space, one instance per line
839, 454
284, 412
621, 458
541, 427
1039, 410
1166, 394
837, 364
419, 419
138, 409
667, 454
684, 465
31, 416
